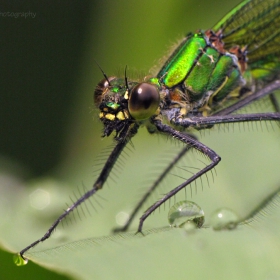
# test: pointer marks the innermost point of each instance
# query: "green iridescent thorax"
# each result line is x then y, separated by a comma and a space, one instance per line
199, 73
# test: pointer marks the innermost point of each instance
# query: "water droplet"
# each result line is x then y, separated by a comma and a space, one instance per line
185, 212
19, 260
224, 218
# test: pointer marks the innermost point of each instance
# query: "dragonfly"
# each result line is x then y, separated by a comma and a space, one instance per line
209, 77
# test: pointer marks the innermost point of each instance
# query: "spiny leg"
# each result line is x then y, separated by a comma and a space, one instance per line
125, 136
61, 217
212, 120
225, 116
193, 143
153, 188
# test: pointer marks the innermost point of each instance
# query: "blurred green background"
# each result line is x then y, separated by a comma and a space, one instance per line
48, 75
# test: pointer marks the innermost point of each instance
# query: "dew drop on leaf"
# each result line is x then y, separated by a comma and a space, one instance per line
224, 218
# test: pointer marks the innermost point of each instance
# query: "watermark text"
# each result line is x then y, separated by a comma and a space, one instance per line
18, 14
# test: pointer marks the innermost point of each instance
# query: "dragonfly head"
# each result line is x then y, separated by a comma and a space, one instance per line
122, 102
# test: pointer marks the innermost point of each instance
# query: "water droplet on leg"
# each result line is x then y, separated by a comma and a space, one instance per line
19, 260
184, 212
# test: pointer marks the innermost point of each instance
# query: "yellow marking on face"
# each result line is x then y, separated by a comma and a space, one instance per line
110, 117
120, 115
126, 94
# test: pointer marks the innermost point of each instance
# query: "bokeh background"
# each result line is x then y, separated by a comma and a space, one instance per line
48, 74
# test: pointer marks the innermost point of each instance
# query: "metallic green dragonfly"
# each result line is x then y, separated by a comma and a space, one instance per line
209, 76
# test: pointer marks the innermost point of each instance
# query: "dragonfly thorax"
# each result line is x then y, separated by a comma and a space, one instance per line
201, 74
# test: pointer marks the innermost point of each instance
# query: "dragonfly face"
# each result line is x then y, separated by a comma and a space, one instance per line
123, 103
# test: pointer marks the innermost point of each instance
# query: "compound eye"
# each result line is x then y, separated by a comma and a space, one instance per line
143, 101
100, 89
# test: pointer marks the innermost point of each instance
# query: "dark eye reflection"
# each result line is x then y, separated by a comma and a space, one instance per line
143, 101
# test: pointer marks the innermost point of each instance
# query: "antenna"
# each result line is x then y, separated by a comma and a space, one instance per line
125, 78
104, 74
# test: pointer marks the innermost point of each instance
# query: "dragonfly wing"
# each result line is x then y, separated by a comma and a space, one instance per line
254, 24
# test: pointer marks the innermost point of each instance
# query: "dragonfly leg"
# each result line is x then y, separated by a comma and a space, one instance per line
200, 122
153, 188
192, 143
96, 187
